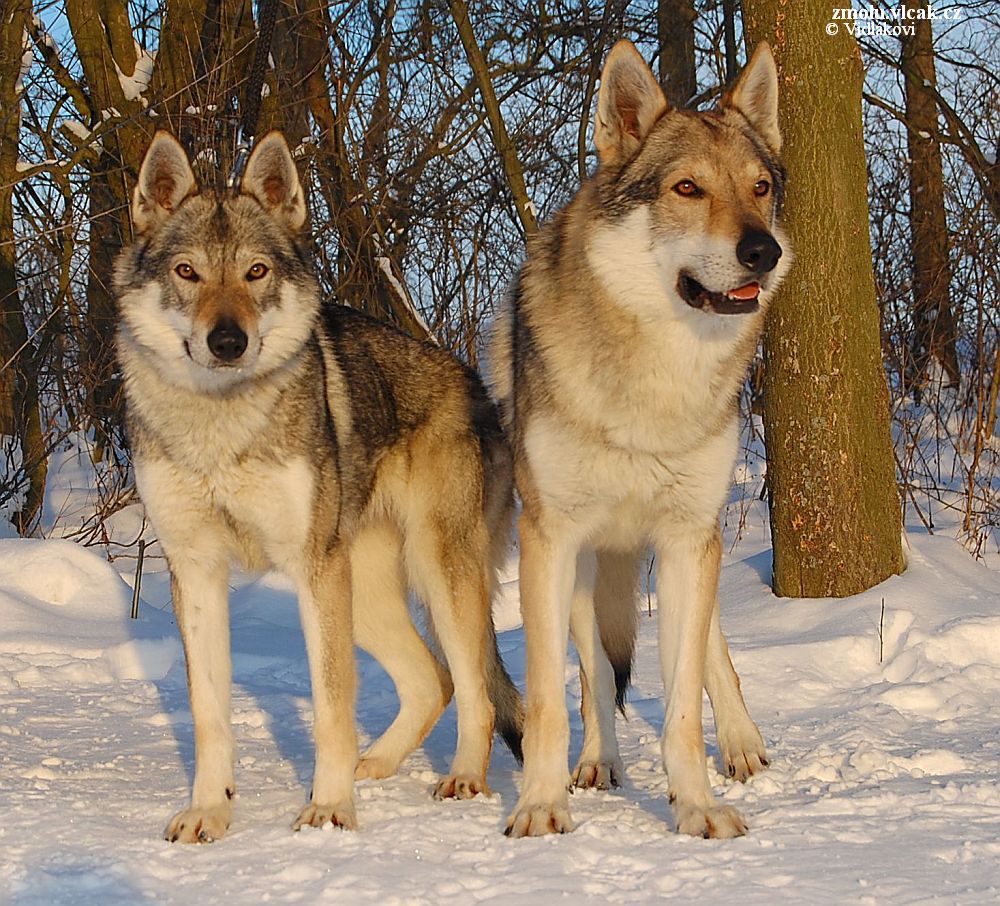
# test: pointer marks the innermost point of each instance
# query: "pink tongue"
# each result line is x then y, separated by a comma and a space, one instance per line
750, 291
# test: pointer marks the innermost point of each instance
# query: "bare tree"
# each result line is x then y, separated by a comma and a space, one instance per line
415, 216
675, 30
20, 425
933, 322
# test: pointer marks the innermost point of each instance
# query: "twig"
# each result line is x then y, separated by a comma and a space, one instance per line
138, 579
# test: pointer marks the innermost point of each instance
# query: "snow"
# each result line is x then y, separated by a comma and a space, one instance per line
135, 84
385, 265
77, 128
882, 785
23, 166
27, 58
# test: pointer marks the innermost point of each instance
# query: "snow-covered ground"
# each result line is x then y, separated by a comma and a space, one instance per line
883, 785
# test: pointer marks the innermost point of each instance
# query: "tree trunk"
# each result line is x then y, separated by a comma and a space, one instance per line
19, 413
675, 35
835, 514
933, 322
205, 51
103, 38
729, 37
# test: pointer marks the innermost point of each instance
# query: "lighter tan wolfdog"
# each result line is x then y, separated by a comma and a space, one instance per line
618, 363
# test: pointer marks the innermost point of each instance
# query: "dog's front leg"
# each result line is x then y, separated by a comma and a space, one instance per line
687, 583
325, 610
547, 571
201, 604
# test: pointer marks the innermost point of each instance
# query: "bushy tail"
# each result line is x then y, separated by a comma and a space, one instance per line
616, 586
498, 466
507, 703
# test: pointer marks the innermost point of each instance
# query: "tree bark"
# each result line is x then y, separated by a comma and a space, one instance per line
835, 512
675, 34
933, 322
20, 417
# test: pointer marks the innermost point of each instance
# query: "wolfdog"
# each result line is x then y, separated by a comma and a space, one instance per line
618, 363
272, 429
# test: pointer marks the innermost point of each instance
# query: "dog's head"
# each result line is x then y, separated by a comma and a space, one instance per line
700, 192
216, 290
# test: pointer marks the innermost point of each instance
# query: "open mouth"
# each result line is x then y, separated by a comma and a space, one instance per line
740, 301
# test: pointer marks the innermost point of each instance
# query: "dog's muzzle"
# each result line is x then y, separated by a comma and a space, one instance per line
227, 341
759, 253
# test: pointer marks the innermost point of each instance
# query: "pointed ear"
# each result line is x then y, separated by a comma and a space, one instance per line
272, 179
165, 180
628, 104
755, 95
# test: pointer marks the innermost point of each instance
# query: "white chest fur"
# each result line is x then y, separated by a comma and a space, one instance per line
646, 432
213, 478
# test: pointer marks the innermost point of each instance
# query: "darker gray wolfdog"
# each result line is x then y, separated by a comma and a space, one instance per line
279, 432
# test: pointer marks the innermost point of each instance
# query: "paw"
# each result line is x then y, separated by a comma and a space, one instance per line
199, 825
318, 815
597, 775
536, 820
715, 822
742, 753
375, 767
461, 786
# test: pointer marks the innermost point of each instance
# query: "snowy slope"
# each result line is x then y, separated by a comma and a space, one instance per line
883, 785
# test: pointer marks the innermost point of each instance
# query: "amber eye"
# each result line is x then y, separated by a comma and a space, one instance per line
761, 188
687, 188
257, 271
186, 272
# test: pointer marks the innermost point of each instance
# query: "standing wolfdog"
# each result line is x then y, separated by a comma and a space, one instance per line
315, 440
618, 364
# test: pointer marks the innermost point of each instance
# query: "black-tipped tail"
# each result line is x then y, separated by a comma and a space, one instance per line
507, 703
623, 679
615, 589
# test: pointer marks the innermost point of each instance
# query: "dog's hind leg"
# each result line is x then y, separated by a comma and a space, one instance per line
599, 765
325, 610
383, 628
688, 587
740, 744
449, 570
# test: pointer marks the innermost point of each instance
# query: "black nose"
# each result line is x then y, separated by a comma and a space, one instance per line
758, 251
227, 341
